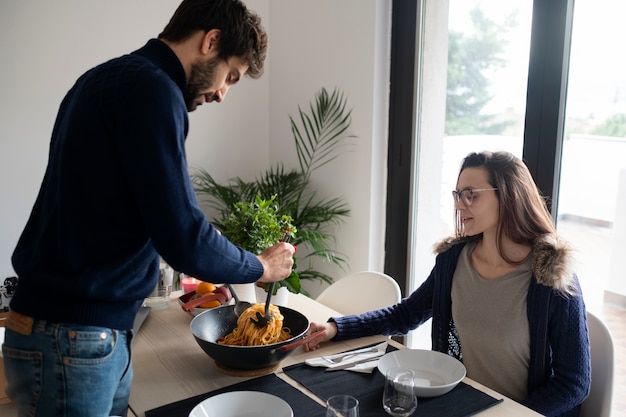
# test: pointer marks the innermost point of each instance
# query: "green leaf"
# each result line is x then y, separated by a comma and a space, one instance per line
324, 131
320, 136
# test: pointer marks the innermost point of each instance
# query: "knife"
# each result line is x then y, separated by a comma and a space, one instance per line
351, 364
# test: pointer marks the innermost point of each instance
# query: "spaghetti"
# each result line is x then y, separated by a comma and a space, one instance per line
248, 334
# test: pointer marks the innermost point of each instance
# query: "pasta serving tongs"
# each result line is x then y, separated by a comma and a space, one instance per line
240, 306
262, 320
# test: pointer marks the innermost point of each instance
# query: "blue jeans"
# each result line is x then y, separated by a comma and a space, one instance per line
68, 370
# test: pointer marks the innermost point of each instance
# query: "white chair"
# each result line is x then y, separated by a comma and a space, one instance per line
598, 404
361, 292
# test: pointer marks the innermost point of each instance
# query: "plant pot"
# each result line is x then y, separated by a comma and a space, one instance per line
246, 292
281, 298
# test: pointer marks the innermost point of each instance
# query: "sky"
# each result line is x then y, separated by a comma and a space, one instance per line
597, 78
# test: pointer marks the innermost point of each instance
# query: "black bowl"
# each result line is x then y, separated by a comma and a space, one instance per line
216, 323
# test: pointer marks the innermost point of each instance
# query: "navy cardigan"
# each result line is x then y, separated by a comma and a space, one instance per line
559, 374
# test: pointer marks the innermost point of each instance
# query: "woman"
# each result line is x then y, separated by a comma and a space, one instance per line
502, 295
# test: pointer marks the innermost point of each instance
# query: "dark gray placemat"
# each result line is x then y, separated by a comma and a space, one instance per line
301, 405
463, 401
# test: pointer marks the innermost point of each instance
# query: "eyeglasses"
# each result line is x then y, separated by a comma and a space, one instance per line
467, 196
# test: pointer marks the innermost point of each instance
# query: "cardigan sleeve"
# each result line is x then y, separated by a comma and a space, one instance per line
430, 300
398, 319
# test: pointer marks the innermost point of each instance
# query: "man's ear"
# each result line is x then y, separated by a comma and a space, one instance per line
210, 41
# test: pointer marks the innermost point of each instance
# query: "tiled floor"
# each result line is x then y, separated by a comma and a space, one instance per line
615, 319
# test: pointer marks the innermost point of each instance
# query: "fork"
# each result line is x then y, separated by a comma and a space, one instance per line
338, 359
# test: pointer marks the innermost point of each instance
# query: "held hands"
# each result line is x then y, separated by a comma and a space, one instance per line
331, 331
277, 262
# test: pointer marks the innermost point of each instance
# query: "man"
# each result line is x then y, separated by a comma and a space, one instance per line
116, 196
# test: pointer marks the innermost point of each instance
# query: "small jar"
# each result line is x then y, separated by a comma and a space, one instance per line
159, 299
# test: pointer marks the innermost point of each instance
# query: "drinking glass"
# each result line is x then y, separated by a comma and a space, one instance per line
159, 299
187, 283
399, 399
342, 406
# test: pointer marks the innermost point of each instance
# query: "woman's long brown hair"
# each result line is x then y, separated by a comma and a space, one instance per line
524, 215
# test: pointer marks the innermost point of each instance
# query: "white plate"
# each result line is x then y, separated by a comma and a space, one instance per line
435, 373
242, 404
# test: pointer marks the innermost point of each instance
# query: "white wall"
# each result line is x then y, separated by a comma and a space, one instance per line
329, 43
45, 46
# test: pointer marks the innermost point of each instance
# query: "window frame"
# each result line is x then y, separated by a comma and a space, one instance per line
543, 128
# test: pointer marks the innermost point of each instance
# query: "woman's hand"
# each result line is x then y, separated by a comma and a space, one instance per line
331, 331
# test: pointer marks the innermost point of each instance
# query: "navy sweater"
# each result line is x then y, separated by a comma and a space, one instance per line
559, 374
116, 194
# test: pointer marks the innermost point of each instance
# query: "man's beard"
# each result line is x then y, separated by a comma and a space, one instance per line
202, 76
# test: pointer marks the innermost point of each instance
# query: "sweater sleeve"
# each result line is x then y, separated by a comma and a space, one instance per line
152, 127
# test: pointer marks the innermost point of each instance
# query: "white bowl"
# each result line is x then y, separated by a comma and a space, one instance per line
242, 404
435, 373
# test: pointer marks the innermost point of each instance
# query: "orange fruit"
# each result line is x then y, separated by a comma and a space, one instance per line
205, 288
210, 304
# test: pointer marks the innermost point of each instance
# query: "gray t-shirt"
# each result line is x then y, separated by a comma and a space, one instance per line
490, 316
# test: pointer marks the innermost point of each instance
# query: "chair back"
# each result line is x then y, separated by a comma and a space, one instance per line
360, 292
598, 403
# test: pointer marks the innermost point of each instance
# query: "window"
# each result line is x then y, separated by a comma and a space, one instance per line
592, 194
494, 75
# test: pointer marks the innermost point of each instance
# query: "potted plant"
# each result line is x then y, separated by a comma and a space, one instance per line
318, 135
258, 224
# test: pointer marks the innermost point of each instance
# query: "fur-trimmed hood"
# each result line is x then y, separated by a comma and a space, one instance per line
552, 261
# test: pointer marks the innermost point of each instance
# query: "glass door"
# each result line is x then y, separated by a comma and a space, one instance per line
592, 194
478, 103
476, 93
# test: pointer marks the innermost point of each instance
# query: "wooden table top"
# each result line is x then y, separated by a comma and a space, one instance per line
170, 366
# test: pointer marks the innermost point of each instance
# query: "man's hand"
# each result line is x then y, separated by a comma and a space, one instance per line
277, 262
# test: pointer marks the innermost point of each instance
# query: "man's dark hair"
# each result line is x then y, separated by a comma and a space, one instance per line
242, 33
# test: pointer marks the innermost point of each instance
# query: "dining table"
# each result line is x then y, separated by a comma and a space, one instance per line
172, 373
